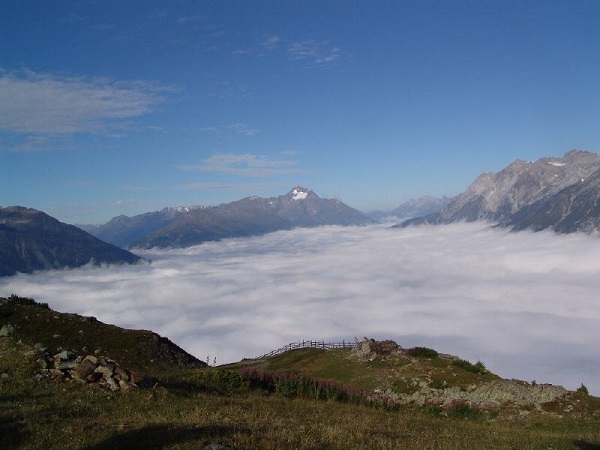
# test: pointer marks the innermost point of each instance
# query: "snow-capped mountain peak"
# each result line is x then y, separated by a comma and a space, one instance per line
299, 193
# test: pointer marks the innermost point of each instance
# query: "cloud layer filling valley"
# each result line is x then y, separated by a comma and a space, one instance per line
526, 304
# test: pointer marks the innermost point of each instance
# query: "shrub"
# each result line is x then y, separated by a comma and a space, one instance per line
27, 301
460, 409
292, 384
404, 387
422, 352
435, 410
478, 367
220, 381
583, 389
438, 384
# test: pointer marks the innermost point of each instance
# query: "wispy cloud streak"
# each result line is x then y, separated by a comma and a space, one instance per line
525, 304
319, 53
244, 164
45, 104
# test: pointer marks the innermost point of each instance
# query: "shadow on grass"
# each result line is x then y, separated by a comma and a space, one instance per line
584, 445
188, 389
12, 432
19, 396
160, 436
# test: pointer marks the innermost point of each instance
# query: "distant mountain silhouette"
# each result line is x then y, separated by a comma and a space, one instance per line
250, 216
412, 208
32, 240
124, 231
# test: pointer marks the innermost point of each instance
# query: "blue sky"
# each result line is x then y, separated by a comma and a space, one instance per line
123, 107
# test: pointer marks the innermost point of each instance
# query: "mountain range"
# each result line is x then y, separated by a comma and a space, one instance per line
32, 240
124, 230
250, 216
562, 194
422, 206
556, 193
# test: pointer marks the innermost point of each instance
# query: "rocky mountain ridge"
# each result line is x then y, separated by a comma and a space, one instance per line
250, 216
557, 193
124, 230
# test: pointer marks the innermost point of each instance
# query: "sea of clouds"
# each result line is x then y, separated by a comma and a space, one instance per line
526, 304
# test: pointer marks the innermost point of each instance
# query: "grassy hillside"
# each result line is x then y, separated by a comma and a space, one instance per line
308, 398
35, 323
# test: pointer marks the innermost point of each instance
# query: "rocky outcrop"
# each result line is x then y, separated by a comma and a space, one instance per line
369, 349
446, 380
93, 370
482, 396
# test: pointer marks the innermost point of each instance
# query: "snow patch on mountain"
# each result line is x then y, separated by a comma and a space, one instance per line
299, 194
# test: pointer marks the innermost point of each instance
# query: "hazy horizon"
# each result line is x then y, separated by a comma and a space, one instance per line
523, 303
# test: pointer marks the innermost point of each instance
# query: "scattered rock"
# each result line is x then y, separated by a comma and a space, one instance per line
85, 368
7, 330
213, 446
40, 347
370, 348
92, 370
427, 391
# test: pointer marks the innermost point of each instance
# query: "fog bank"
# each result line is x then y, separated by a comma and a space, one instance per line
526, 304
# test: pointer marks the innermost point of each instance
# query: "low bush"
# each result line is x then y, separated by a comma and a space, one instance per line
583, 389
404, 387
478, 367
460, 409
438, 384
292, 384
27, 301
422, 352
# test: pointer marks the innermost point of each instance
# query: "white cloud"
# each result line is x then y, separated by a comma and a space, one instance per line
525, 304
319, 53
316, 53
45, 104
191, 19
226, 90
242, 128
239, 128
239, 187
271, 42
244, 164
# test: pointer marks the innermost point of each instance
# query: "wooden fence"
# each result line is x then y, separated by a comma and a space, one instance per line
310, 344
